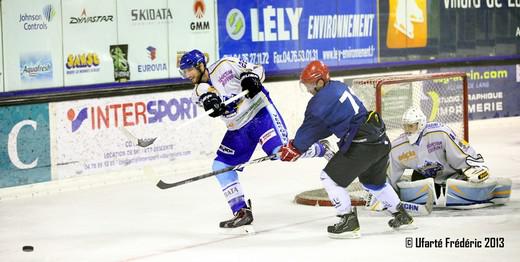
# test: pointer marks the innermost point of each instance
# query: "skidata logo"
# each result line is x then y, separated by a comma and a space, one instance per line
235, 24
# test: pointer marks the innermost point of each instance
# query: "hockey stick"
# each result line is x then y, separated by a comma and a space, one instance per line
163, 185
144, 142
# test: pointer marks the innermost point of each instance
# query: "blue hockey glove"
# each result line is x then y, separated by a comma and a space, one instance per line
212, 101
250, 81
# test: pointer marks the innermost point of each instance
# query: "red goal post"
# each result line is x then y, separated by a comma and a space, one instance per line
443, 97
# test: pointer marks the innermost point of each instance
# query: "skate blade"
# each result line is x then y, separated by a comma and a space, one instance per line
406, 227
346, 235
243, 230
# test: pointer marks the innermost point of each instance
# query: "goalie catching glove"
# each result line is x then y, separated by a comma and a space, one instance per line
289, 152
476, 174
213, 101
250, 81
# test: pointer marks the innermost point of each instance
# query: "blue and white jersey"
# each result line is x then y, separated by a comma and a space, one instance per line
224, 80
438, 153
333, 110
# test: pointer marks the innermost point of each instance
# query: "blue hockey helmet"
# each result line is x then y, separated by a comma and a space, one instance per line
192, 59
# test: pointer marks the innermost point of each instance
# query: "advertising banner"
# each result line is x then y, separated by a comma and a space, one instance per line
89, 29
143, 26
285, 35
119, 54
494, 91
412, 30
88, 133
194, 27
24, 145
34, 44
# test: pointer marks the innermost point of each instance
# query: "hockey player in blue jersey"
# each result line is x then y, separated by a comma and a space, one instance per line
250, 121
363, 149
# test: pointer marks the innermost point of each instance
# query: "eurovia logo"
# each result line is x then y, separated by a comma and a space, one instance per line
235, 24
154, 66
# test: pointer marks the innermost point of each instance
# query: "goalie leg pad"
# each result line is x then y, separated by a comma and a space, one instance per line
464, 195
418, 192
385, 194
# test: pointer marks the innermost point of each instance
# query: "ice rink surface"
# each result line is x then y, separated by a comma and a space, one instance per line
138, 222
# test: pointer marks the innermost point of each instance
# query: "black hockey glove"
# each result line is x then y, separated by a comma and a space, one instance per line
212, 101
250, 81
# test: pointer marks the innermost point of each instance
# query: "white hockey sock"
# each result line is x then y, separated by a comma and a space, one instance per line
387, 196
337, 194
234, 196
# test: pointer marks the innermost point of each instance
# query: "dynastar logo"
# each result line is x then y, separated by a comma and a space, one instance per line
131, 113
84, 19
235, 24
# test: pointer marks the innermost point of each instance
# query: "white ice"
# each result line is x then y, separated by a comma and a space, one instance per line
138, 222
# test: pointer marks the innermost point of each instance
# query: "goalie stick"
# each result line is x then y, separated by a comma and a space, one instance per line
163, 185
144, 142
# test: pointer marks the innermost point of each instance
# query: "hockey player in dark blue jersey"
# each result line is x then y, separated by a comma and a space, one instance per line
363, 149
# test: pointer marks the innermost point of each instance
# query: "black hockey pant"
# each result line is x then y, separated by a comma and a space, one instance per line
366, 161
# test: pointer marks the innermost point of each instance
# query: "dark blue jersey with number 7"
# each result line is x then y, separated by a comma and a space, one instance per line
333, 110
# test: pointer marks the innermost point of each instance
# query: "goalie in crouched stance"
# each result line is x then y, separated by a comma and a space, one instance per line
429, 157
363, 149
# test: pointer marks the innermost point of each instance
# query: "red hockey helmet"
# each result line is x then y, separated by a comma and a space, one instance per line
313, 72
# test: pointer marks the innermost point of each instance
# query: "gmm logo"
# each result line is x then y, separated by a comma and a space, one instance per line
235, 24
199, 10
131, 114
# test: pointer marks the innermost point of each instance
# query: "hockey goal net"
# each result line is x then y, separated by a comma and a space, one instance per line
443, 97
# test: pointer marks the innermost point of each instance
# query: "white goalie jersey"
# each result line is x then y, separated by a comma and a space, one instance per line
224, 80
438, 153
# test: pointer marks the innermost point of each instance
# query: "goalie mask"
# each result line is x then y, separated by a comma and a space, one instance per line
413, 122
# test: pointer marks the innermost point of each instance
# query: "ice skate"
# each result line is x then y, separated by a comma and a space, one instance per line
402, 220
240, 223
347, 227
329, 152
